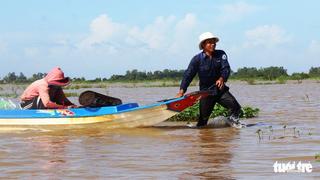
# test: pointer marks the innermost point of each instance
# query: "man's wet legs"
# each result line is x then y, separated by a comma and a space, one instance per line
228, 101
206, 108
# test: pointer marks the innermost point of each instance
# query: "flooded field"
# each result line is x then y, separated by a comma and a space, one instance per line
286, 131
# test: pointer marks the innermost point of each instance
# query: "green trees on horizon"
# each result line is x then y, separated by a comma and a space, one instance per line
245, 73
21, 78
268, 73
137, 75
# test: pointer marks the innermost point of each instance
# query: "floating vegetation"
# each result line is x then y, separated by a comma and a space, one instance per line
281, 80
79, 86
296, 133
71, 94
306, 98
270, 132
192, 113
249, 112
259, 133
251, 81
87, 86
317, 157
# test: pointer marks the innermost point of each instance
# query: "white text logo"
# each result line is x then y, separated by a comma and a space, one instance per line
279, 167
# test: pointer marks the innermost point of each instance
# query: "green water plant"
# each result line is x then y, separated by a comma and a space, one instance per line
71, 94
298, 132
251, 81
259, 133
192, 113
270, 132
317, 157
281, 80
284, 130
307, 98
294, 132
249, 112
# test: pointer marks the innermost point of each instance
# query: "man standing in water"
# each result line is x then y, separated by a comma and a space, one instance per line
213, 70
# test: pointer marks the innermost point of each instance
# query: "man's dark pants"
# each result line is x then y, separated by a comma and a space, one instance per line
226, 99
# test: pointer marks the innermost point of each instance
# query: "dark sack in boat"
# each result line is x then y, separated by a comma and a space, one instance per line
94, 99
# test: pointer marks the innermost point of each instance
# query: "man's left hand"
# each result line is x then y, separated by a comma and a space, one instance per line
220, 83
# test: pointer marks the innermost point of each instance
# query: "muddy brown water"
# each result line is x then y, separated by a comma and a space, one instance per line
173, 151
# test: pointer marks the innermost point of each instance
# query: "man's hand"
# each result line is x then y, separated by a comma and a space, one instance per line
180, 93
220, 83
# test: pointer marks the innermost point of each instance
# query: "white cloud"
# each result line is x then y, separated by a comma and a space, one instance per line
163, 34
102, 29
183, 29
154, 35
263, 46
236, 11
267, 36
156, 41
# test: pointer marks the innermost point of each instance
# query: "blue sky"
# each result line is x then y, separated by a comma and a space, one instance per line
98, 38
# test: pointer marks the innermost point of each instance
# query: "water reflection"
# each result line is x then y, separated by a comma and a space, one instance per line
54, 149
212, 155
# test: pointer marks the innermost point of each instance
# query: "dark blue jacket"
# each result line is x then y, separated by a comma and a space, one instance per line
209, 70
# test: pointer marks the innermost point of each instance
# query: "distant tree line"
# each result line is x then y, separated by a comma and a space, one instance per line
272, 73
137, 75
268, 73
12, 77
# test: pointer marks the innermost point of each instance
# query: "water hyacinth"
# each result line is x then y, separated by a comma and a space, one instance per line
192, 113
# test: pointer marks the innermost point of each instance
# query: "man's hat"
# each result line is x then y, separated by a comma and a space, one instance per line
206, 36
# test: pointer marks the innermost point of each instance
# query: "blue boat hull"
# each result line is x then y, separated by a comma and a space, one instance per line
125, 115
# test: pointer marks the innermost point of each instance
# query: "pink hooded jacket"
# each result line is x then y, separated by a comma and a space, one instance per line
41, 88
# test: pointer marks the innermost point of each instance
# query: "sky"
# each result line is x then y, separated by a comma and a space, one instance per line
99, 38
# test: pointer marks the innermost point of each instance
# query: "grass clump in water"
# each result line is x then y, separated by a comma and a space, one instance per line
317, 157
71, 94
192, 113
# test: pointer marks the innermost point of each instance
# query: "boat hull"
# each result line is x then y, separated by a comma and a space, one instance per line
122, 116
130, 119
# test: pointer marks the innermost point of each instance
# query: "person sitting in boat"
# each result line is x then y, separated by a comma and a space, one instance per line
47, 92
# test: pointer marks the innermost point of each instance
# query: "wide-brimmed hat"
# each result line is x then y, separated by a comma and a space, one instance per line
206, 36
56, 77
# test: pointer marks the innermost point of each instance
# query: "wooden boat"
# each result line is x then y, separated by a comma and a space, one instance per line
121, 116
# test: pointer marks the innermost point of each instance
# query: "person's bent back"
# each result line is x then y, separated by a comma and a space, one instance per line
47, 92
